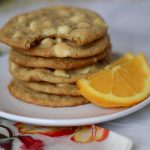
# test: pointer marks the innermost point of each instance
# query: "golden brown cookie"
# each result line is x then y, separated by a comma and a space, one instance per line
55, 63
57, 47
39, 98
54, 76
78, 25
52, 88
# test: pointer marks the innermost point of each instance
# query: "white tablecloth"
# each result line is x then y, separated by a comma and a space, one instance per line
129, 28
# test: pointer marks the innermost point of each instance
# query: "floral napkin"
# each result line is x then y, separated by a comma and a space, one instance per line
19, 136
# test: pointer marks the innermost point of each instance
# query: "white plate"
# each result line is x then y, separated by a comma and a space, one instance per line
13, 109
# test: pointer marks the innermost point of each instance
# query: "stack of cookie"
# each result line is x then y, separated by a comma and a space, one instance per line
51, 49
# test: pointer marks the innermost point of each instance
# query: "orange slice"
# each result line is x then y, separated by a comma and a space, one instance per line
122, 60
123, 83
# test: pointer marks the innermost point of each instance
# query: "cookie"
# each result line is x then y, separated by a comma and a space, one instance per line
51, 88
54, 76
43, 99
57, 47
78, 25
55, 63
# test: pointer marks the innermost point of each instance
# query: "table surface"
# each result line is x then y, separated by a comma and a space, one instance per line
129, 27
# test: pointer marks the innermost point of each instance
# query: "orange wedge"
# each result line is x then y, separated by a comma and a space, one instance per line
122, 60
123, 83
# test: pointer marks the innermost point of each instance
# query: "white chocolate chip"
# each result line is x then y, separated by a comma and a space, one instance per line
34, 26
61, 73
22, 19
98, 21
77, 18
84, 70
47, 24
18, 34
13, 66
61, 84
48, 42
49, 31
83, 25
59, 52
63, 29
87, 69
58, 40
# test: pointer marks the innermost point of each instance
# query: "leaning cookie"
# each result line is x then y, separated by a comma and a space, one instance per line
39, 98
54, 76
55, 63
56, 47
78, 25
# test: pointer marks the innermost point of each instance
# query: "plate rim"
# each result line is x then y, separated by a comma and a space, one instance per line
75, 121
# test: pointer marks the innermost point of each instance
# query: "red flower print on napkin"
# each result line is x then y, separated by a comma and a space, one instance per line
31, 144
48, 131
91, 133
